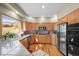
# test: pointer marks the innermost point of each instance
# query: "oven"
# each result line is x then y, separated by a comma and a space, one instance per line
73, 40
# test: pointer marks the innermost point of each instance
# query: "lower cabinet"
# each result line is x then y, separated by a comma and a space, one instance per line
54, 39
32, 39
24, 42
44, 39
41, 39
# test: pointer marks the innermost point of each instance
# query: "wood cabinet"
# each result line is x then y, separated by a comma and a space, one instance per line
54, 39
28, 26
71, 18
24, 42
76, 13
41, 39
63, 20
35, 26
44, 39
32, 39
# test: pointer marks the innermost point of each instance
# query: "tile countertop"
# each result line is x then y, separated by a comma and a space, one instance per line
13, 48
20, 38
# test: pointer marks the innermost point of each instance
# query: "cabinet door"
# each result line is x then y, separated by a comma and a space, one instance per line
76, 12
63, 20
71, 18
54, 40
48, 39
45, 39
32, 39
24, 42
29, 26
41, 39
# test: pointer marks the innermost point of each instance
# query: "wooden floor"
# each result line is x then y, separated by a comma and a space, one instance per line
51, 50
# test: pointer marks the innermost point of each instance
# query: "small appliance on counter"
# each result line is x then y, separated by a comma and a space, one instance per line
43, 30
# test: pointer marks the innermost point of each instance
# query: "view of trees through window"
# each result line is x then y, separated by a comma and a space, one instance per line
10, 25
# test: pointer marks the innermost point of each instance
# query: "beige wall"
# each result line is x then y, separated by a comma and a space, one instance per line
0, 25
8, 11
23, 27
52, 19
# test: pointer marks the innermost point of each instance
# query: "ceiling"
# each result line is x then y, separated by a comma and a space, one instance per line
36, 10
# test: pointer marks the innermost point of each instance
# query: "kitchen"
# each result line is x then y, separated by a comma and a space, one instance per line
45, 32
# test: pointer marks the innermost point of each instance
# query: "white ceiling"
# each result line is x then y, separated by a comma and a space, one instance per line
36, 10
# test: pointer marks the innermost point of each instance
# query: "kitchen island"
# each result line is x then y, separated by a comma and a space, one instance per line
40, 39
14, 48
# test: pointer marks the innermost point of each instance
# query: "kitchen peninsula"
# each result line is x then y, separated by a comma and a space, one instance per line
15, 48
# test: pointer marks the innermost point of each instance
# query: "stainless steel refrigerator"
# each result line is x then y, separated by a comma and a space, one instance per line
62, 38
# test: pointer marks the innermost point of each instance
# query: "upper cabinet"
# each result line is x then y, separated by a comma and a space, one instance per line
63, 20
35, 26
71, 18
29, 26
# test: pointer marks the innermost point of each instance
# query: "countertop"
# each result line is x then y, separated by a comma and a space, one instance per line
14, 48
20, 38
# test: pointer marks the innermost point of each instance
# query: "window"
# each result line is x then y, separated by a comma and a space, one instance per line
10, 25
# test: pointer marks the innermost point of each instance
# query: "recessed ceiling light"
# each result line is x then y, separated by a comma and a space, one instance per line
43, 6
42, 19
54, 18
16, 12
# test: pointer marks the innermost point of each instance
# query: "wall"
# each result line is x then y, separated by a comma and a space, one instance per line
68, 9
42, 19
0, 25
4, 9
23, 25
35, 26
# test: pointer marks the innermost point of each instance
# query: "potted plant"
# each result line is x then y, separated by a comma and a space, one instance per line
9, 35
